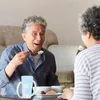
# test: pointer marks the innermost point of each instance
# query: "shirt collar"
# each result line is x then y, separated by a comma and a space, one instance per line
25, 47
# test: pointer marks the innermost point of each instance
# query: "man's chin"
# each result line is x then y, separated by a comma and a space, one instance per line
37, 48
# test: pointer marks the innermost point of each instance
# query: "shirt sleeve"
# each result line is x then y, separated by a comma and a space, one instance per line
4, 60
82, 89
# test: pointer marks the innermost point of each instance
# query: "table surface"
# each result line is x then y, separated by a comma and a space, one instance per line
16, 98
11, 98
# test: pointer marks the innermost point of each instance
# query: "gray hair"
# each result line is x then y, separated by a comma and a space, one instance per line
33, 20
89, 21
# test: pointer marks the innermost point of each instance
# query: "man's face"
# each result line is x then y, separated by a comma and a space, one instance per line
34, 37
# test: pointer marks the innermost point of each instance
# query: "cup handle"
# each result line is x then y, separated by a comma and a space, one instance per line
17, 90
34, 92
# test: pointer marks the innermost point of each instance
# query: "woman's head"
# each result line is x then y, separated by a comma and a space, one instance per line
89, 21
89, 24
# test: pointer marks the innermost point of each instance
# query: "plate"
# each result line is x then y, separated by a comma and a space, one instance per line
46, 96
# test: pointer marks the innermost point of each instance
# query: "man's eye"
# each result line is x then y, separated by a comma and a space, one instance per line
42, 33
34, 34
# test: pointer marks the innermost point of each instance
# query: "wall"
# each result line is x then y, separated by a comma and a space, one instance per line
61, 15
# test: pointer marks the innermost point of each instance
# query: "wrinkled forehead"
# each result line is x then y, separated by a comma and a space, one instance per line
36, 28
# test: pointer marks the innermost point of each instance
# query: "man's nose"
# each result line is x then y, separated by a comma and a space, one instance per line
38, 37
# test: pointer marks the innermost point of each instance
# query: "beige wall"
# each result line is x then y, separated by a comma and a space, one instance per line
61, 15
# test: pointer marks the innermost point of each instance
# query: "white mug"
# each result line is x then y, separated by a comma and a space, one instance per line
27, 86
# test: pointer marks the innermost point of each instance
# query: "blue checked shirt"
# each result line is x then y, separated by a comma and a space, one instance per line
43, 73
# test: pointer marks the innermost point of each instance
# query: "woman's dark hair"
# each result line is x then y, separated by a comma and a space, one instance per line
89, 21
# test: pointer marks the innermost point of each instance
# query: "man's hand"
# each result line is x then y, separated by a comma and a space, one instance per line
20, 58
15, 62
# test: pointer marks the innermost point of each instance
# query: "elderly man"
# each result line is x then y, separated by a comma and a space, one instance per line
28, 58
87, 62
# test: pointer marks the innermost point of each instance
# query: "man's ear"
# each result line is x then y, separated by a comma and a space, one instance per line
24, 36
